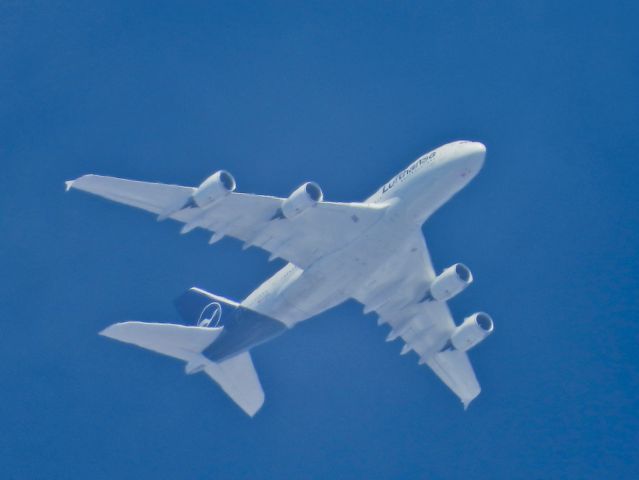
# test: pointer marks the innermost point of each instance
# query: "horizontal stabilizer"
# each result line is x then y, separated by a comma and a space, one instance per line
177, 341
236, 375
239, 380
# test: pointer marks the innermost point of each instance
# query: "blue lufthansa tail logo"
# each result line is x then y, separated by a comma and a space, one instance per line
211, 315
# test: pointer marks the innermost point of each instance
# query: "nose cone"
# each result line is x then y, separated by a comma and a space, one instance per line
472, 154
479, 148
477, 151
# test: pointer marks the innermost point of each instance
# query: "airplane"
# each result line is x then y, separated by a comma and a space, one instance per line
371, 251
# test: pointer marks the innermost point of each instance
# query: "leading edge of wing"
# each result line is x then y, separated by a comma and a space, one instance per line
150, 196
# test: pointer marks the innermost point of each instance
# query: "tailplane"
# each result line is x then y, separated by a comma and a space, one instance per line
239, 380
177, 341
235, 374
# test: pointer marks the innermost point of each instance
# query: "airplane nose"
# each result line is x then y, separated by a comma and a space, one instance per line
469, 158
474, 154
479, 148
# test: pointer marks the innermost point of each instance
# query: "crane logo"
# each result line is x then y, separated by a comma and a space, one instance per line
211, 315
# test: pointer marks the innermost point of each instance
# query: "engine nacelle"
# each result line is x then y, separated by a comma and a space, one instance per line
449, 283
472, 331
214, 188
305, 197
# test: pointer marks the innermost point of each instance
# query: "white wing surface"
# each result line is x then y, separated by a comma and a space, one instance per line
395, 293
322, 229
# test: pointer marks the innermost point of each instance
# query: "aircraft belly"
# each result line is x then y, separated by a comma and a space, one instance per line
293, 295
292, 298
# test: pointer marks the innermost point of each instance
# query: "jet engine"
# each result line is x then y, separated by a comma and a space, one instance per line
473, 330
449, 283
214, 188
306, 196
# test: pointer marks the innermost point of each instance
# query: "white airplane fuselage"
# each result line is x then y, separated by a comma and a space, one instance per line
411, 197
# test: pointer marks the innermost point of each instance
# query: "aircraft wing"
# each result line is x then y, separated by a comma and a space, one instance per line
301, 240
395, 293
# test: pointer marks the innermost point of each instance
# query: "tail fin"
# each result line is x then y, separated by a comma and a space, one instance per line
243, 327
236, 375
197, 306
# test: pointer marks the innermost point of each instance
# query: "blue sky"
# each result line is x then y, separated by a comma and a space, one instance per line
346, 94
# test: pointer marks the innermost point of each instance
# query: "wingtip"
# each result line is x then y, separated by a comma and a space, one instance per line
251, 413
109, 331
252, 410
467, 402
104, 332
80, 181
